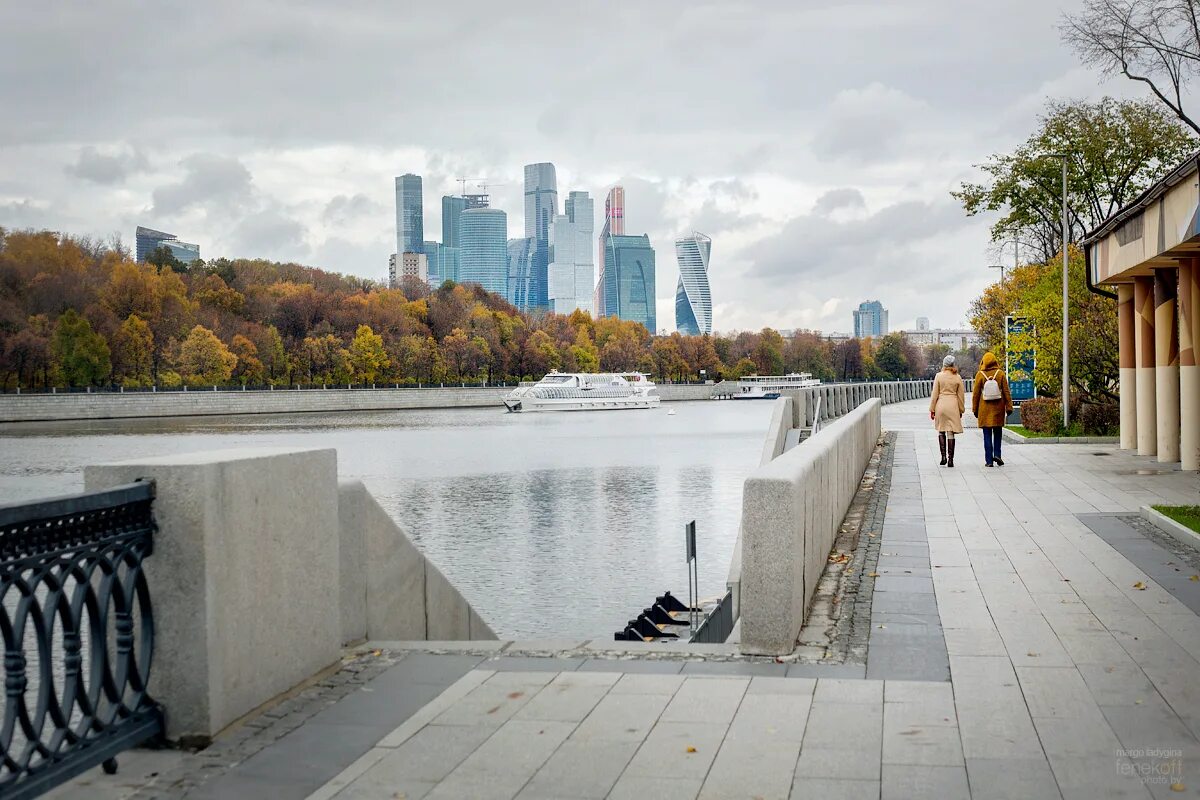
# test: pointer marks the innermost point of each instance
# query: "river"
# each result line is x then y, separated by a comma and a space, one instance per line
554, 524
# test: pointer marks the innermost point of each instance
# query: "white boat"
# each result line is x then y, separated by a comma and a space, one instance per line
578, 391
769, 387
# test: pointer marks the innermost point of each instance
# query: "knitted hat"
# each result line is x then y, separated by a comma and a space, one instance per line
948, 361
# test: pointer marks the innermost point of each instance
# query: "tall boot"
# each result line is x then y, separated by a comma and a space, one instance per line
942, 447
950, 451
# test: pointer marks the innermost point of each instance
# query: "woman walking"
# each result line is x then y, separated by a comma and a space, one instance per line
946, 407
991, 403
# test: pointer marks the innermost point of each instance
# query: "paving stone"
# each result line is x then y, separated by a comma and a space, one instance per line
1003, 730
735, 668
531, 664
581, 769
906, 782
834, 789
563, 701
921, 660
428, 757
634, 683
1056, 692
835, 690
636, 787
622, 717
831, 726
765, 717
903, 584
973, 642
906, 741
850, 761
662, 667
518, 749
701, 700
678, 750
938, 696
761, 768
827, 671
1011, 779
781, 686
904, 603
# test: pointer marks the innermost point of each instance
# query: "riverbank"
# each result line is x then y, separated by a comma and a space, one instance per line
58, 407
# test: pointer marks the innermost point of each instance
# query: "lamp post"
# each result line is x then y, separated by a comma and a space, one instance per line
1000, 267
1066, 323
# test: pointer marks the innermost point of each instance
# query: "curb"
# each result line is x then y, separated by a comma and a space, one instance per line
1181, 533
1016, 438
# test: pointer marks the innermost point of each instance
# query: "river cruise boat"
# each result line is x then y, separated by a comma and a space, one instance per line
577, 391
769, 387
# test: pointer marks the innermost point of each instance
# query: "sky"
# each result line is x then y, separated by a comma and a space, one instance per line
816, 142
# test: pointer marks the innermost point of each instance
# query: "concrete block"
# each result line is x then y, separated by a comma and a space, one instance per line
244, 577
448, 616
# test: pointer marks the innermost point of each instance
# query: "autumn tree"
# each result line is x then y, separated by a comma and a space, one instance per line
133, 351
848, 360
80, 356
367, 355
250, 370
204, 360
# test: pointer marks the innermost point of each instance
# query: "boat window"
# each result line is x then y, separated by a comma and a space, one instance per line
556, 379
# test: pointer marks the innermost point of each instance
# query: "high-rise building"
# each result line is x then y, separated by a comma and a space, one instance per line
571, 274
451, 208
443, 263
483, 249
148, 240
614, 224
629, 279
870, 319
541, 206
410, 214
520, 271
407, 265
922, 323
693, 302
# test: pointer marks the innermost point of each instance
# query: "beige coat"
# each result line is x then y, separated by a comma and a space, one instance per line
948, 402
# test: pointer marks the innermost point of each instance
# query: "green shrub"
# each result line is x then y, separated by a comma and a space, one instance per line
1100, 419
1042, 415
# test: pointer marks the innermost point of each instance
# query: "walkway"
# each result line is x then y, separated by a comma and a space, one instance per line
1073, 666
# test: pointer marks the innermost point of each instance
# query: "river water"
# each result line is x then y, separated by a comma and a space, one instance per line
554, 524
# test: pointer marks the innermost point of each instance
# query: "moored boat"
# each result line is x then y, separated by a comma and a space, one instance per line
579, 391
769, 387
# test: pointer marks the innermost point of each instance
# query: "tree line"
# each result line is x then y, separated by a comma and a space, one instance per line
75, 312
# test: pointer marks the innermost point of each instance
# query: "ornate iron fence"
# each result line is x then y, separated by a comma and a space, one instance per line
78, 635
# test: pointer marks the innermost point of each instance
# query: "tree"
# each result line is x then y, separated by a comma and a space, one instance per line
133, 346
1152, 42
539, 355
1115, 150
848, 360
26, 353
325, 360
1035, 292
81, 357
367, 355
768, 353
890, 358
250, 369
163, 258
204, 360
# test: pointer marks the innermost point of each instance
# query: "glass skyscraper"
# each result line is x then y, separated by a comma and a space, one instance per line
870, 319
520, 271
148, 240
451, 208
410, 215
614, 223
570, 276
483, 249
629, 279
443, 263
541, 206
693, 301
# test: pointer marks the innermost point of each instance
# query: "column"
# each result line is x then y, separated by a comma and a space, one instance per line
1126, 322
1143, 345
1189, 371
1166, 363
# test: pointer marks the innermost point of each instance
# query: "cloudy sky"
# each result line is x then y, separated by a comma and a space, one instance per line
816, 142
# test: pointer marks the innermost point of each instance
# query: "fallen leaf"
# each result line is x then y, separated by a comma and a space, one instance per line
1032, 654
872, 574
515, 695
1141, 587
881, 627
377, 652
1178, 787
1194, 578
691, 749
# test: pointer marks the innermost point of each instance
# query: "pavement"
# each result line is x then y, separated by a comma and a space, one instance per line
1028, 640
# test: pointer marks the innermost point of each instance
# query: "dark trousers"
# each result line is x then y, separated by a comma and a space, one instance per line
991, 443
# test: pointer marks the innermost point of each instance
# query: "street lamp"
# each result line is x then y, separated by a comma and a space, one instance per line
1000, 267
1066, 351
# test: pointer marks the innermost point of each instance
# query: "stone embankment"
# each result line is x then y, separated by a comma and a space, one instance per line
126, 405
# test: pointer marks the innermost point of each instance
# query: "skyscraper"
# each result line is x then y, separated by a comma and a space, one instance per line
410, 214
520, 271
443, 263
614, 223
483, 249
570, 276
541, 206
870, 319
451, 208
693, 302
148, 240
629, 279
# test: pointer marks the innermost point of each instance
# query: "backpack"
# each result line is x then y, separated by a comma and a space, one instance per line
991, 387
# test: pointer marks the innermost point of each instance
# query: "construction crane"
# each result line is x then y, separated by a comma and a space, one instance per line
463, 181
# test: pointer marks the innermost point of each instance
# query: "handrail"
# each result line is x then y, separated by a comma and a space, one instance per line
816, 415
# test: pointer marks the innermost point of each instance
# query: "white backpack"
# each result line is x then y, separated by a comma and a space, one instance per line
991, 387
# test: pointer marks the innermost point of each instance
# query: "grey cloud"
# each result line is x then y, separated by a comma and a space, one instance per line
836, 199
108, 168
868, 124
344, 208
270, 233
209, 178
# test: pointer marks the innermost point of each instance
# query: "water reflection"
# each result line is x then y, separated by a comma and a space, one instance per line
552, 524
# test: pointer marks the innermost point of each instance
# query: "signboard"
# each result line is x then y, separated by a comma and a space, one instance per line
689, 532
1020, 358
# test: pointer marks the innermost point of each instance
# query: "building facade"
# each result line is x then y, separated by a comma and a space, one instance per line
452, 207
410, 214
483, 249
147, 240
520, 271
954, 338
407, 265
693, 300
629, 280
571, 274
870, 320
614, 224
443, 263
541, 207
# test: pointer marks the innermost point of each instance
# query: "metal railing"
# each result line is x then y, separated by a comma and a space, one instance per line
816, 416
717, 626
78, 635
